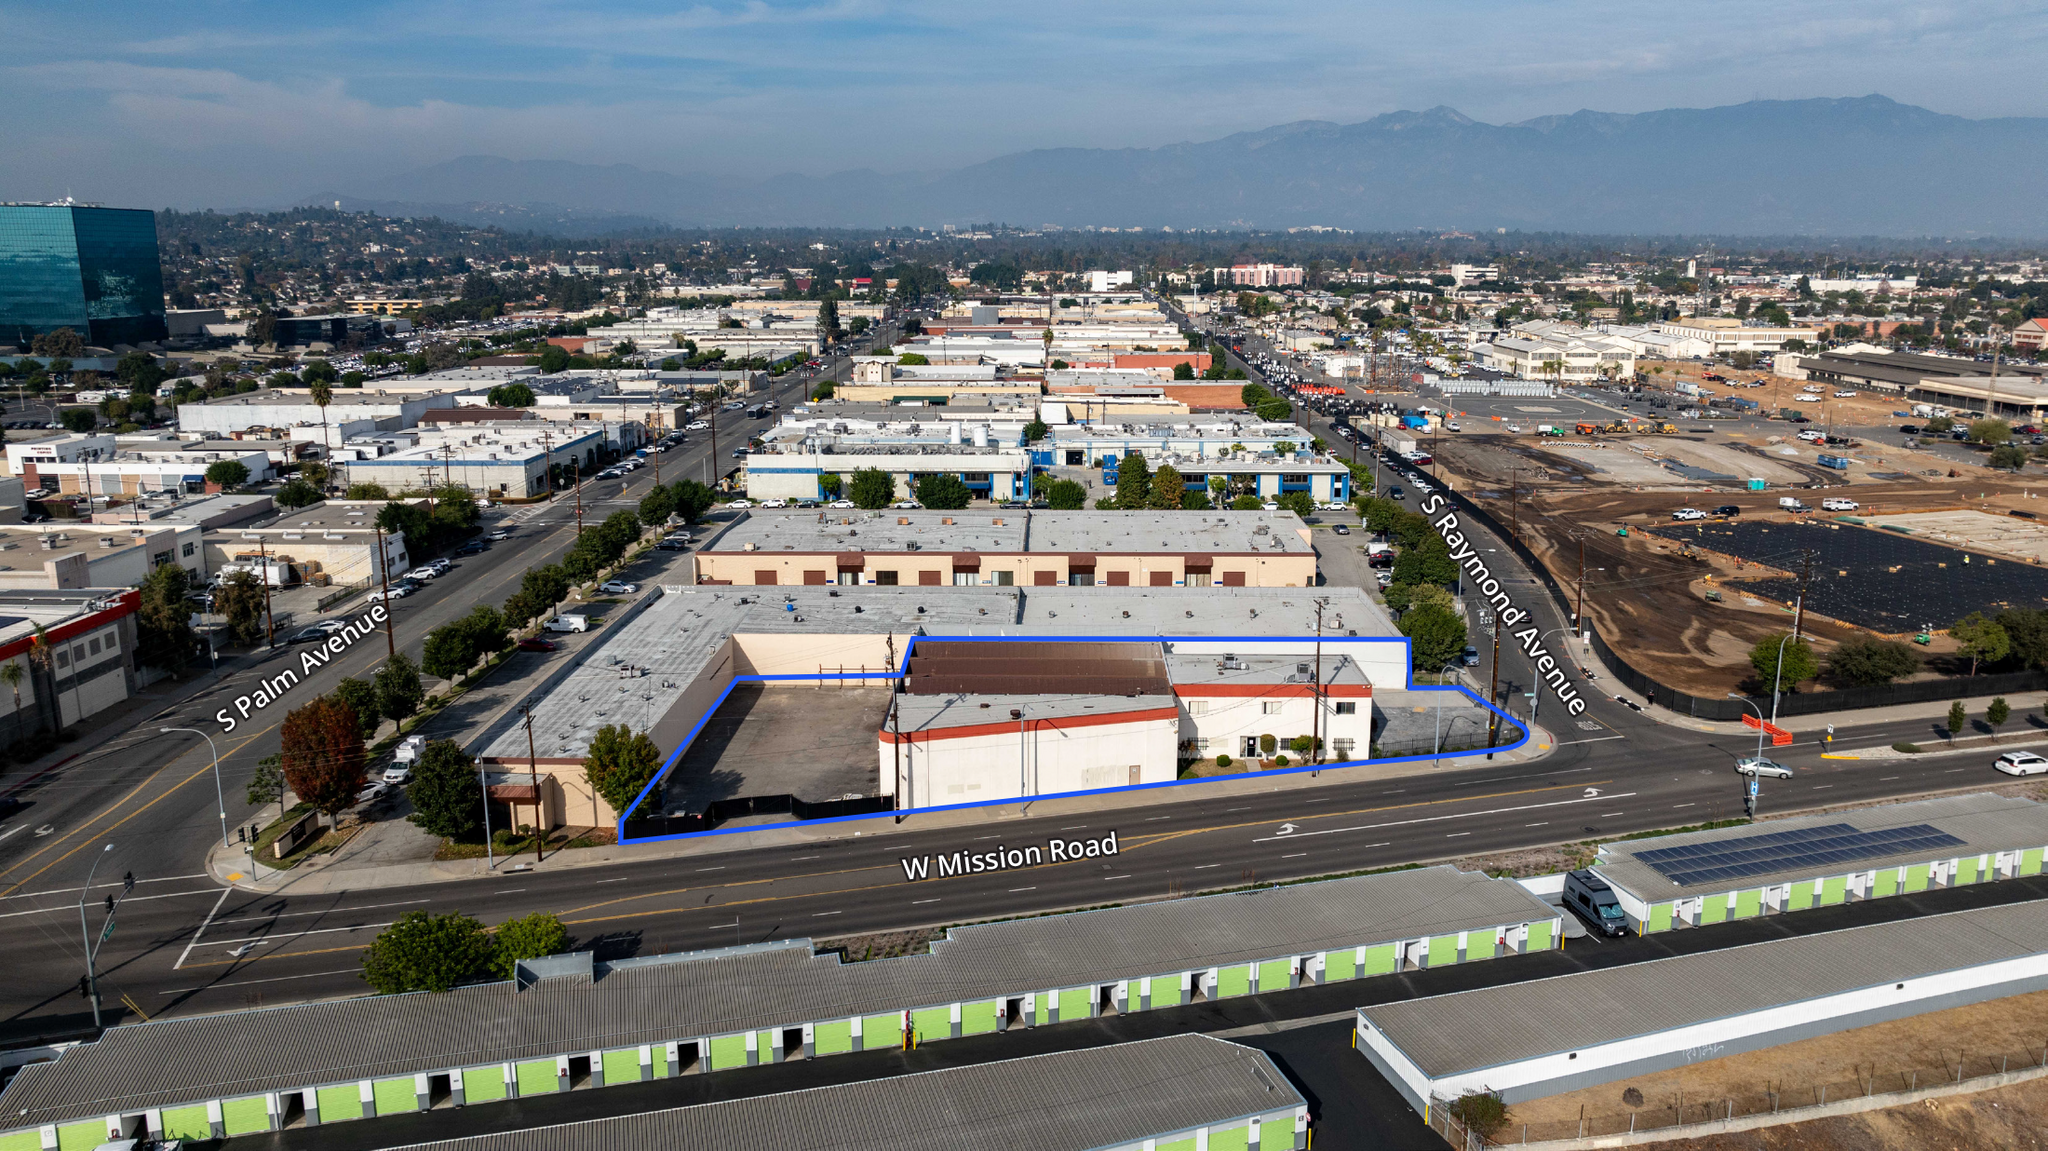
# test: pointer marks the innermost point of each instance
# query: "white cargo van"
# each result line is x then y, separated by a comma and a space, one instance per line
1792, 504
568, 623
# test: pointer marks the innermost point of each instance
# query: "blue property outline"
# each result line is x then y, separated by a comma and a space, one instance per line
1406, 644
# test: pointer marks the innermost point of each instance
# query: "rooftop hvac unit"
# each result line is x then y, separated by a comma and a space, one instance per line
1232, 663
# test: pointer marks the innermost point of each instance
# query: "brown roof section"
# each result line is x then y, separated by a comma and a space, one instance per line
1029, 667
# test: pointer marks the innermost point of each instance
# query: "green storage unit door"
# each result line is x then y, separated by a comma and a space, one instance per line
622, 1067
1233, 981
33, 1140
880, 1032
1187, 1144
336, 1103
1713, 909
1166, 990
832, 1038
484, 1084
1273, 974
976, 1018
88, 1135
1834, 890
239, 1116
2030, 861
1074, 1003
1340, 964
1916, 877
1230, 1138
1443, 951
1801, 897
191, 1122
1887, 882
537, 1077
396, 1096
937, 1022
1660, 917
728, 1051
1539, 940
1277, 1133
1966, 869
1379, 960
1748, 903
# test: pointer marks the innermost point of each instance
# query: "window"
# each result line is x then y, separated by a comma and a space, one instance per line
1271, 707
1198, 707
1084, 578
969, 579
189, 549
1005, 578
1198, 579
63, 658
885, 579
113, 641
1347, 707
1343, 747
94, 644
1201, 745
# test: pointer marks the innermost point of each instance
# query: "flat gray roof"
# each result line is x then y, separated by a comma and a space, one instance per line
1338, 667
1491, 1026
1067, 1101
1983, 822
1115, 533
711, 993
917, 713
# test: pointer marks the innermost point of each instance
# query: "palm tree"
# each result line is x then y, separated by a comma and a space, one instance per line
323, 395
11, 675
43, 656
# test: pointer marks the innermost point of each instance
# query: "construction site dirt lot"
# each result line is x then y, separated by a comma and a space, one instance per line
1646, 595
1982, 1038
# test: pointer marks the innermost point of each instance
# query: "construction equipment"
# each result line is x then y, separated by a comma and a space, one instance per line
1588, 429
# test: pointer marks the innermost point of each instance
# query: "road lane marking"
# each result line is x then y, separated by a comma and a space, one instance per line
1595, 739
823, 914
1296, 855
330, 911
1015, 890
130, 899
915, 902
261, 939
1545, 823
1206, 866
1106, 878
1456, 834
183, 955
1612, 814
1676, 806
272, 979
1440, 818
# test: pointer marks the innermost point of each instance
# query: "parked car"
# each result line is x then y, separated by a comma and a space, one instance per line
538, 644
1592, 900
1470, 656
372, 794
422, 572
774, 503
473, 548
840, 504
1688, 514
396, 775
308, 635
498, 535
2022, 763
673, 545
1385, 578
1729, 510
618, 587
567, 623
1838, 504
1342, 529
1758, 766
696, 426
398, 591
740, 505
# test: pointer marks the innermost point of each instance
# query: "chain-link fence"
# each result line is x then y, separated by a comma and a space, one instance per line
1674, 1107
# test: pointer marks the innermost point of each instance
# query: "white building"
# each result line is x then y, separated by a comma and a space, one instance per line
1105, 281
1579, 357
502, 460
1723, 335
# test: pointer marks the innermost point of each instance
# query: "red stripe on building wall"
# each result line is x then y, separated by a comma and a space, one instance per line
1014, 727
1251, 690
127, 603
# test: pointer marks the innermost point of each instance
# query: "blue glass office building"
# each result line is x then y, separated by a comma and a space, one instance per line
93, 270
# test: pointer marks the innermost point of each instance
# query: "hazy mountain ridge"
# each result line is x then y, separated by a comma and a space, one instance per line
1855, 166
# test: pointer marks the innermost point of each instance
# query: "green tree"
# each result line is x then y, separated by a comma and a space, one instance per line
1133, 483
514, 395
80, 420
553, 359
399, 693
1799, 662
824, 389
872, 488
1300, 503
1275, 410
2027, 630
1247, 503
1957, 717
1183, 371
1036, 430
367, 492
2008, 457
943, 491
422, 952
163, 620
266, 783
361, 697
1251, 395
533, 936
913, 359
1979, 639
1169, 489
1066, 496
1937, 425
621, 762
1428, 562
321, 753
240, 599
228, 474
449, 651
1990, 431
1997, 713
1870, 662
447, 797
1436, 636
296, 493
658, 504
829, 485
693, 499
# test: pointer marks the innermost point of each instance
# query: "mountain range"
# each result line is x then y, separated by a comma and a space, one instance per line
1866, 166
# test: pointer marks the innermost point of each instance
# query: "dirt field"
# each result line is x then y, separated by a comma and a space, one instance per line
1885, 1057
1646, 595
1977, 531
2005, 1117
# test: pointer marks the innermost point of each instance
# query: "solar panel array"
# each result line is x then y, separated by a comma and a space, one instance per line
1814, 848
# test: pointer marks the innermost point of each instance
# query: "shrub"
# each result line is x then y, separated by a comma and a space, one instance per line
1481, 1113
1269, 744
1280, 760
1908, 748
1222, 761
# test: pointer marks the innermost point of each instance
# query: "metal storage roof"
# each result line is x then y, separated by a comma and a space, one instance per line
1875, 837
1471, 1030
1070, 1101
719, 992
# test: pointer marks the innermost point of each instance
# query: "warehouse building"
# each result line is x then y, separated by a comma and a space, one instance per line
1706, 877
568, 1023
1543, 1037
797, 473
497, 461
1174, 1094
1010, 548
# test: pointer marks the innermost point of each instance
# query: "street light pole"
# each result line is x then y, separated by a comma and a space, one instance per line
92, 979
218, 792
1436, 748
1753, 792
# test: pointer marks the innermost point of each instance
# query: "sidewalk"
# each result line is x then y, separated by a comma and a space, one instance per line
1932, 712
232, 865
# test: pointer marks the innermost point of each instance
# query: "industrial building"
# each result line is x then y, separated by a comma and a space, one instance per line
79, 266
76, 464
568, 1023
2018, 391
1172, 1094
1706, 877
337, 540
1009, 548
492, 461
366, 410
92, 666
1543, 1037
795, 473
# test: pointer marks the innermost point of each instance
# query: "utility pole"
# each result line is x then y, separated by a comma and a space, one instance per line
1799, 605
447, 465
1493, 692
1579, 613
576, 470
384, 569
427, 482
269, 620
895, 729
90, 985
1315, 692
656, 452
540, 833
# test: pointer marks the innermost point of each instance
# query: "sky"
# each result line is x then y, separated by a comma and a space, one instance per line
205, 103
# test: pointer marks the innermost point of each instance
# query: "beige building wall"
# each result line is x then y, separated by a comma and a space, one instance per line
1050, 569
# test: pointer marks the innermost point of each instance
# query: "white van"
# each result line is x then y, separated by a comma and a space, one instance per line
568, 623
1792, 504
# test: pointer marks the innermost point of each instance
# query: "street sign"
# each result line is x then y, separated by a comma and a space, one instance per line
1752, 788
107, 930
